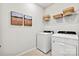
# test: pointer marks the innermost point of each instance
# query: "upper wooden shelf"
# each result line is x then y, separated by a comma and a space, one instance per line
57, 16
68, 11
46, 18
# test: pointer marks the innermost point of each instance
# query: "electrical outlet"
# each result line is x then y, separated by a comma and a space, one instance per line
0, 45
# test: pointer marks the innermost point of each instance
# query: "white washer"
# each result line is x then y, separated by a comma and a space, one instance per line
64, 45
44, 41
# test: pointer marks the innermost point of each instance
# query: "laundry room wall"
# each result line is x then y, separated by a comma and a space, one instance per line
70, 23
0, 31
16, 39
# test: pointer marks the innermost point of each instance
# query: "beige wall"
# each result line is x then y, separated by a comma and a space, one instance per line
16, 39
66, 23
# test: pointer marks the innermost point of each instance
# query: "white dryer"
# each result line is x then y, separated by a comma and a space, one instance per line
43, 41
65, 44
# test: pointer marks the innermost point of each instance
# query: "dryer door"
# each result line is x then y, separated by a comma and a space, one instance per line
70, 50
62, 49
58, 49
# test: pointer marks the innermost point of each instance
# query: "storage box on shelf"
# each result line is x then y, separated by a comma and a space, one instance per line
57, 16
46, 18
68, 11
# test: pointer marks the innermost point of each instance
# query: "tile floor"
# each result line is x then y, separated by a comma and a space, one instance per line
36, 52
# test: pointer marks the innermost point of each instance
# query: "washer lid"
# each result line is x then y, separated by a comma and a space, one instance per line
67, 32
66, 36
47, 31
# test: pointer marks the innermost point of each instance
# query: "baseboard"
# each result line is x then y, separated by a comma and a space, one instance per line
26, 51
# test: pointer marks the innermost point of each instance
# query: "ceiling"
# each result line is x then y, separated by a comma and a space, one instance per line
44, 5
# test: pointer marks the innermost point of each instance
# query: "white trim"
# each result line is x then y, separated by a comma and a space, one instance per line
22, 53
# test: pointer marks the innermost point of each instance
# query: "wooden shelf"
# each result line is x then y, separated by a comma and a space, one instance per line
68, 11
46, 18
57, 16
